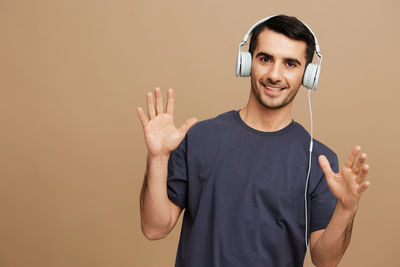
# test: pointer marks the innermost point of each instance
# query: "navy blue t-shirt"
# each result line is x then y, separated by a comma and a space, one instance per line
243, 194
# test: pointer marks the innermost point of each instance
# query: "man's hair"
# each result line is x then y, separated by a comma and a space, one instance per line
291, 27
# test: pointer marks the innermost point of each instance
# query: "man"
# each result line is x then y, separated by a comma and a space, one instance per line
241, 176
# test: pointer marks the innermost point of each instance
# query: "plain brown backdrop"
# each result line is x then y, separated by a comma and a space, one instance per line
72, 156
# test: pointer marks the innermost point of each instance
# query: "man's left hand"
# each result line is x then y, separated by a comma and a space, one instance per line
349, 183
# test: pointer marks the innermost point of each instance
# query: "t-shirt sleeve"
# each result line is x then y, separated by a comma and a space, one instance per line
177, 175
323, 202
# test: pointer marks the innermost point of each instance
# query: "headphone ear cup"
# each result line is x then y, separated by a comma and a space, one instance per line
310, 76
317, 77
238, 63
245, 68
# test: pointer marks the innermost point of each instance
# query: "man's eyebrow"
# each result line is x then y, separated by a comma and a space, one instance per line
293, 60
263, 54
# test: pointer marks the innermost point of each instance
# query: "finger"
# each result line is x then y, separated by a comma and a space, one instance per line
363, 174
187, 125
353, 155
159, 101
363, 187
150, 106
359, 163
325, 166
170, 102
142, 117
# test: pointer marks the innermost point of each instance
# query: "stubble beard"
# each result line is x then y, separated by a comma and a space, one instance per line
284, 103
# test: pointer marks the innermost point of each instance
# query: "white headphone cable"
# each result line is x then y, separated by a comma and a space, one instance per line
308, 176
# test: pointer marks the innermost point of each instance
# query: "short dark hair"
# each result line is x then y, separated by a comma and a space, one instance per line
291, 27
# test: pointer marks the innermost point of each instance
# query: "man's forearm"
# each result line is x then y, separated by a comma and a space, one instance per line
332, 244
154, 204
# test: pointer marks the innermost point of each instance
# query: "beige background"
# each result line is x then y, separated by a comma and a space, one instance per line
72, 74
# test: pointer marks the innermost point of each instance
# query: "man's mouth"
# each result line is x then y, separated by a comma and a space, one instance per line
272, 88
275, 89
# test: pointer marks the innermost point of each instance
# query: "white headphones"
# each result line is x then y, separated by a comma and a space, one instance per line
311, 74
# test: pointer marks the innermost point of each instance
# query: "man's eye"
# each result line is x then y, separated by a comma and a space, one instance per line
265, 59
291, 64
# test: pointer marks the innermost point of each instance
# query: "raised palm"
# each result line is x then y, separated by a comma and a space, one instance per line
349, 183
161, 135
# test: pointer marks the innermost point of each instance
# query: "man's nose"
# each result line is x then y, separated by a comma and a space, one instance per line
274, 74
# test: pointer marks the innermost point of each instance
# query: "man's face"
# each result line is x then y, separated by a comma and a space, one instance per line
277, 69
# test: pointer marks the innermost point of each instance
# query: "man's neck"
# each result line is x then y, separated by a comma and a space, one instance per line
265, 119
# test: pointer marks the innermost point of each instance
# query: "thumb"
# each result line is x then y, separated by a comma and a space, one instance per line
187, 125
325, 166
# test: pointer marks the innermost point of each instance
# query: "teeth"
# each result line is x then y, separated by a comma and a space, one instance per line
273, 88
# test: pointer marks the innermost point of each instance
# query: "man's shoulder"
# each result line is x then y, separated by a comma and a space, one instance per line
215, 123
319, 148
323, 149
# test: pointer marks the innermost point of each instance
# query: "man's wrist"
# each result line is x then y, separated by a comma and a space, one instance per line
162, 157
349, 210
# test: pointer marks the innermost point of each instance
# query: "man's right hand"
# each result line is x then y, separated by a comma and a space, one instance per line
160, 134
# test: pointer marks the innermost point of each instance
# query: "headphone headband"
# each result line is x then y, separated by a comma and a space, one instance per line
246, 36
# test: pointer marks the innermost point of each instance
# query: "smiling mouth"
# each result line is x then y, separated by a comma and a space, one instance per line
271, 87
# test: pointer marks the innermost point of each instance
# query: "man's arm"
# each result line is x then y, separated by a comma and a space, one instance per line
158, 214
328, 246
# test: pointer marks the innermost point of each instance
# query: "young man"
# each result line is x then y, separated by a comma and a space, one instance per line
241, 176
